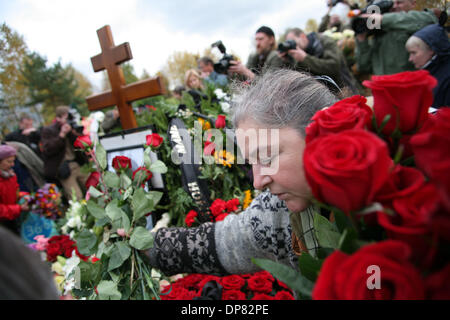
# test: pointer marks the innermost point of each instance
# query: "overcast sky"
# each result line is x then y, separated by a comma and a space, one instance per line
65, 30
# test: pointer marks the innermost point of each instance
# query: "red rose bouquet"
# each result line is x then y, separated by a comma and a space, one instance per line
382, 179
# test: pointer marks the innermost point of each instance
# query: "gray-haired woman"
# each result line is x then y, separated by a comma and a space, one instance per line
284, 102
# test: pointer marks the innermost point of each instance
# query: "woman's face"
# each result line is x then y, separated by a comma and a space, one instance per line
194, 82
7, 163
277, 162
419, 56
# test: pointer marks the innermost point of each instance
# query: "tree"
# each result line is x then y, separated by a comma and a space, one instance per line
177, 65
50, 86
438, 4
13, 53
311, 26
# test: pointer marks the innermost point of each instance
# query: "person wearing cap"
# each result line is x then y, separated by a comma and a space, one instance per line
263, 59
9, 190
61, 161
429, 49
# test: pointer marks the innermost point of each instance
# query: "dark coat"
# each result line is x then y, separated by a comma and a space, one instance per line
436, 38
54, 149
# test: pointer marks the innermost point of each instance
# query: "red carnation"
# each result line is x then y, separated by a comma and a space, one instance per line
232, 205
190, 218
222, 216
154, 140
218, 207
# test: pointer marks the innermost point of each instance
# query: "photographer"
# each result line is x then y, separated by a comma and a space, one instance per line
61, 162
265, 58
206, 66
385, 52
318, 55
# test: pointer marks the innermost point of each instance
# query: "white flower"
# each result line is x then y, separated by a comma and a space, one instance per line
219, 93
75, 222
162, 223
225, 106
69, 285
99, 116
71, 264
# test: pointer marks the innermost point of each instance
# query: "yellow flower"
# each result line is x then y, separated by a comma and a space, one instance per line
205, 124
247, 199
223, 157
59, 281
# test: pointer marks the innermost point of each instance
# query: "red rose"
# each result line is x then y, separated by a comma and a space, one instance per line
259, 283
83, 142
92, 180
94, 259
406, 96
412, 221
233, 282
150, 107
402, 182
176, 293
210, 148
347, 169
218, 207
350, 113
262, 296
207, 279
220, 122
284, 295
233, 295
347, 277
190, 218
53, 250
431, 147
121, 163
232, 205
438, 284
190, 281
154, 140
142, 175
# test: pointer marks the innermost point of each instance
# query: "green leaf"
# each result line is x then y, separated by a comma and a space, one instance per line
113, 211
140, 204
289, 276
95, 210
141, 239
326, 232
342, 221
347, 242
120, 253
125, 181
100, 154
158, 167
94, 192
89, 272
147, 160
309, 266
154, 196
86, 242
107, 290
112, 180
384, 122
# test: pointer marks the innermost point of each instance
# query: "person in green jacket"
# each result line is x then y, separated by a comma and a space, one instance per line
263, 59
320, 56
384, 52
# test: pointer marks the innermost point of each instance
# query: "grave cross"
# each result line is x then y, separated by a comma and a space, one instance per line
121, 94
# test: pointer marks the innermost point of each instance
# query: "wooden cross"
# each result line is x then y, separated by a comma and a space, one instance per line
121, 94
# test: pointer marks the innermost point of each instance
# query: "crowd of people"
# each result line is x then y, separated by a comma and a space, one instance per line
317, 74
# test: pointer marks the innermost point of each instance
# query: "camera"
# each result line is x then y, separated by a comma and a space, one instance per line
72, 121
359, 25
287, 45
224, 63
